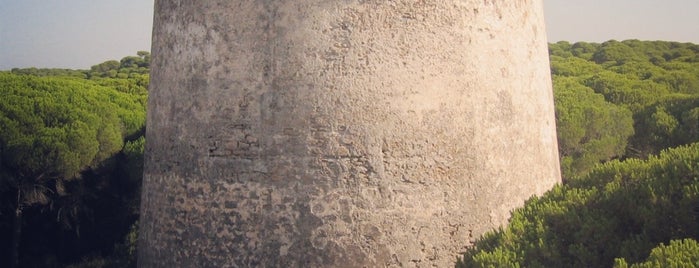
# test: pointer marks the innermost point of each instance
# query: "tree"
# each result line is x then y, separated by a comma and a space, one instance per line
145, 55
573, 66
560, 49
53, 129
669, 122
125, 68
615, 53
142, 60
626, 90
584, 50
105, 66
590, 130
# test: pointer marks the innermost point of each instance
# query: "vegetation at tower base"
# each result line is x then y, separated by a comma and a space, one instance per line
621, 209
70, 162
679, 253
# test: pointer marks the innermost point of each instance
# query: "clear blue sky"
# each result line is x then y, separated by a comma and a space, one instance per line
81, 33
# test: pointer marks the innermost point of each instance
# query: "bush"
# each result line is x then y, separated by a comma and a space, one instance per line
679, 253
619, 210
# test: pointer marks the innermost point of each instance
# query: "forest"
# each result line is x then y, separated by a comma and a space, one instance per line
71, 163
627, 112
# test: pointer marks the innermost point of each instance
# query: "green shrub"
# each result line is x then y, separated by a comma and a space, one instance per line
621, 209
679, 253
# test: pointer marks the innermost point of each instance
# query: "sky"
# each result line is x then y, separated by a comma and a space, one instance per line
77, 34
602, 20
72, 34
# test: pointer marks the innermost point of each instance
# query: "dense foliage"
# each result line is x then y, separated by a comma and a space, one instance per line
70, 160
590, 129
652, 85
679, 253
625, 102
621, 209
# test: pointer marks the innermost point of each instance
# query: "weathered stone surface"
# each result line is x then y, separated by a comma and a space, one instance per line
318, 133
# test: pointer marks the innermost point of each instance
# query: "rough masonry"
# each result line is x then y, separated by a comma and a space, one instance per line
341, 133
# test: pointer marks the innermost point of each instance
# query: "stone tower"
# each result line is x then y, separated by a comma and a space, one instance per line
345, 133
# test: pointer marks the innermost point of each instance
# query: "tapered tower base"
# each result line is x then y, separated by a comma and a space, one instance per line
318, 133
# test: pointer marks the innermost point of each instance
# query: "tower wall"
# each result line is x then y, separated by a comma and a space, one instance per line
318, 133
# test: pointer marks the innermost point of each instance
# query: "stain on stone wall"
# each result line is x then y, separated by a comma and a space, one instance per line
359, 133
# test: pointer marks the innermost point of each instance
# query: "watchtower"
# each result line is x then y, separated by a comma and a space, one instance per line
320, 133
